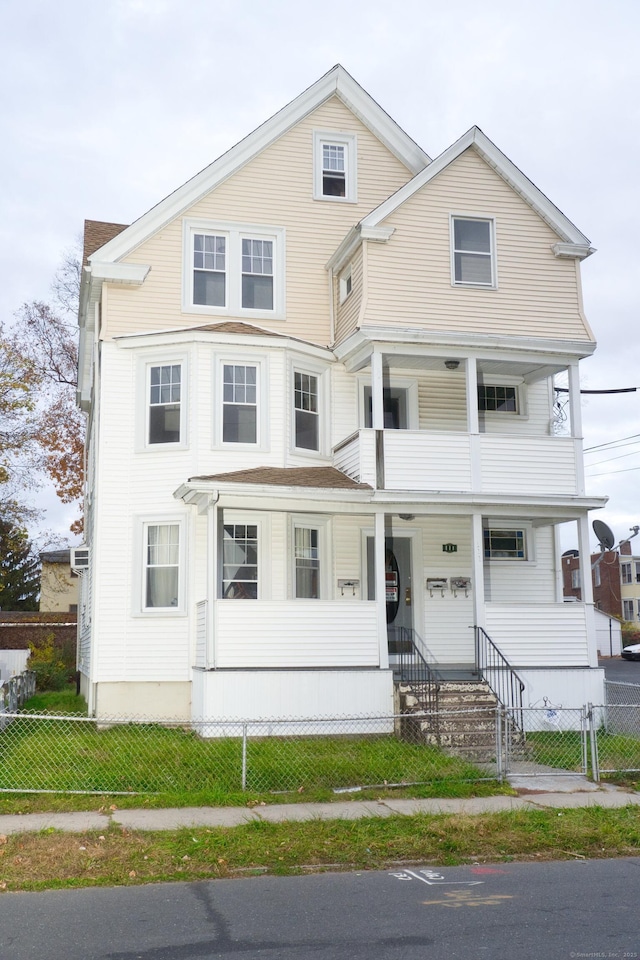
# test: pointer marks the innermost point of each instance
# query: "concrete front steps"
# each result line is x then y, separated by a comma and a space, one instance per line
464, 723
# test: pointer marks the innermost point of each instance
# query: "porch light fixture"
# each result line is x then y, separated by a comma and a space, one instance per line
452, 364
407, 516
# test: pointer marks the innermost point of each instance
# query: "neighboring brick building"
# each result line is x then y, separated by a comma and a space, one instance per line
605, 573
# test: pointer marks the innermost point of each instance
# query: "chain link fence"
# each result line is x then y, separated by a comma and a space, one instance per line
228, 761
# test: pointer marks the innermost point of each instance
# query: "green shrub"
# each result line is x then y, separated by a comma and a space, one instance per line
48, 664
630, 633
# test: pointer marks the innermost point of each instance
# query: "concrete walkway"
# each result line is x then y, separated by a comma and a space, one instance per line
566, 792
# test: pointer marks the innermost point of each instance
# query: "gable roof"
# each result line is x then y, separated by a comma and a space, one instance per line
336, 82
484, 147
96, 234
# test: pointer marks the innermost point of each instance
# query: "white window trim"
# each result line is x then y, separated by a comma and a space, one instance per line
322, 525
234, 233
263, 523
141, 524
626, 567
350, 142
262, 393
343, 284
321, 372
529, 540
500, 380
410, 384
626, 602
143, 377
494, 265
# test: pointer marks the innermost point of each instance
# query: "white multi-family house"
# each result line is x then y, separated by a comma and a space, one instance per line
319, 380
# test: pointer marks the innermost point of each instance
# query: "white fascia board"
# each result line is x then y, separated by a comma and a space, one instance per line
353, 240
396, 339
573, 251
131, 274
475, 138
253, 492
155, 338
336, 81
444, 502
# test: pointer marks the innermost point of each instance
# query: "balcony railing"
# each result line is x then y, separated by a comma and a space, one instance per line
449, 462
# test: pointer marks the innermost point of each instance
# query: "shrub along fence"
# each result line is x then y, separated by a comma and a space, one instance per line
222, 759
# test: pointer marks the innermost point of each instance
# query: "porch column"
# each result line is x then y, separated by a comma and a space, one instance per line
212, 581
586, 588
576, 424
381, 589
377, 413
473, 422
477, 583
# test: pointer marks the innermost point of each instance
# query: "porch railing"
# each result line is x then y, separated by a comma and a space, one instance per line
414, 668
497, 672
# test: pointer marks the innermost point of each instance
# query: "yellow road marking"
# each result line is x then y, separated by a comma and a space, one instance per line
468, 898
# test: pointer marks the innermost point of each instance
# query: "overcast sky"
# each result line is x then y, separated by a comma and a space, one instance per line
107, 107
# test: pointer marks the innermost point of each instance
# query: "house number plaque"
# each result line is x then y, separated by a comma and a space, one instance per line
449, 547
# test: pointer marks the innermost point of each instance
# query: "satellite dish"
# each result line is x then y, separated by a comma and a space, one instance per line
604, 534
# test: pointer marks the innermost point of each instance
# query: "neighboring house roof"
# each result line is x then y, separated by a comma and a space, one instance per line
337, 82
96, 234
478, 141
56, 556
327, 477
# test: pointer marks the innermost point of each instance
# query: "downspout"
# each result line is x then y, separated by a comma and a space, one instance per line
212, 579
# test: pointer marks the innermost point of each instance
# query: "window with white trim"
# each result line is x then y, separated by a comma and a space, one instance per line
234, 269
472, 252
597, 576
505, 543
239, 403
161, 589
165, 398
637, 563
306, 411
627, 609
575, 579
495, 398
346, 284
209, 270
625, 572
334, 166
306, 562
240, 561
257, 274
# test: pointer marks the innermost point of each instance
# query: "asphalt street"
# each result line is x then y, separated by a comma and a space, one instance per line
534, 911
623, 671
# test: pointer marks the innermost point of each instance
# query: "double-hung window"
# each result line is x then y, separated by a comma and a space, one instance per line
165, 398
240, 561
627, 609
233, 269
625, 571
239, 403
257, 274
575, 579
306, 411
209, 270
162, 566
334, 166
473, 257
306, 562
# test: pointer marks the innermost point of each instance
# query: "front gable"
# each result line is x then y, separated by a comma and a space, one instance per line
532, 288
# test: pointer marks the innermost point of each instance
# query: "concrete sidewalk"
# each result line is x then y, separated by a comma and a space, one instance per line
568, 793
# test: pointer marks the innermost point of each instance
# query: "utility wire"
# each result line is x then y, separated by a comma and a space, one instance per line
611, 472
618, 390
611, 443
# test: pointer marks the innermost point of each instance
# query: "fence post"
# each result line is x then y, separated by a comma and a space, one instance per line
499, 766
244, 756
593, 736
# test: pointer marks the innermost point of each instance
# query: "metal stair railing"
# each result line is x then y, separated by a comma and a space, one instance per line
415, 669
497, 672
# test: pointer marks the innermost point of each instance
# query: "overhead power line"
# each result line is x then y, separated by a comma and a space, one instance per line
617, 390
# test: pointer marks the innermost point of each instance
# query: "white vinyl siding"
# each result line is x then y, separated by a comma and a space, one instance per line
547, 634
515, 581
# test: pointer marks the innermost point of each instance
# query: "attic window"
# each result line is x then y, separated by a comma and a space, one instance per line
473, 257
334, 166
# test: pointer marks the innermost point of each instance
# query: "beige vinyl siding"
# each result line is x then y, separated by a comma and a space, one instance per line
537, 413
442, 401
275, 188
516, 581
409, 277
344, 404
347, 313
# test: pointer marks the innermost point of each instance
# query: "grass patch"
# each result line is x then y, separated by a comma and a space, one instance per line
58, 701
53, 860
173, 766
